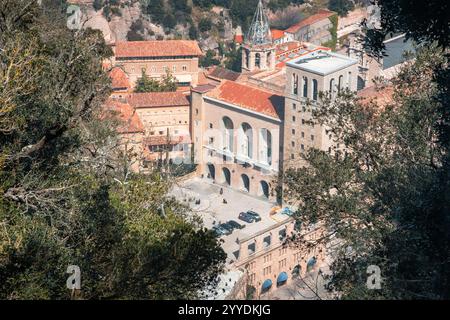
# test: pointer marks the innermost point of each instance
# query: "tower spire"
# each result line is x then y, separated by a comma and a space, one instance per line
259, 32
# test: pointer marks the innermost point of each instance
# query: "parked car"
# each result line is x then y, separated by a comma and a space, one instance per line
235, 224
244, 216
220, 231
255, 215
227, 227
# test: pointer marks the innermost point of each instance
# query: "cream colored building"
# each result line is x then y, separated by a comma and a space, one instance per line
306, 78
236, 133
156, 58
268, 262
166, 120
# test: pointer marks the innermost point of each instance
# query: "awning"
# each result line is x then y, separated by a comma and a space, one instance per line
296, 270
183, 78
266, 284
282, 277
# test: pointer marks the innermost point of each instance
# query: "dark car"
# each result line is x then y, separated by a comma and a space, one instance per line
226, 226
244, 216
255, 215
220, 231
235, 225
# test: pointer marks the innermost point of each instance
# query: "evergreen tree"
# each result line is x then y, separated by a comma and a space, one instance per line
68, 195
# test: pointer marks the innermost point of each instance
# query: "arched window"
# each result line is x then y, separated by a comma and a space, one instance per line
211, 171
247, 58
332, 86
269, 60
245, 186
258, 60
265, 152
265, 190
341, 83
294, 83
305, 87
246, 140
227, 133
226, 176
349, 80
315, 89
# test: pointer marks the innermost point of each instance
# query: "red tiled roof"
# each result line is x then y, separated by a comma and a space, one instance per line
157, 99
322, 14
204, 88
277, 34
217, 72
382, 96
249, 98
130, 121
157, 48
119, 78
297, 54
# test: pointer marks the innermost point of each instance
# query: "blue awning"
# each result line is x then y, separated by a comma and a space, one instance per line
266, 284
312, 262
282, 277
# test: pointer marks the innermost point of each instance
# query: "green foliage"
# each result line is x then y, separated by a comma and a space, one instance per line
209, 59
342, 7
155, 9
383, 196
205, 24
146, 84
234, 59
68, 195
193, 32
422, 21
333, 31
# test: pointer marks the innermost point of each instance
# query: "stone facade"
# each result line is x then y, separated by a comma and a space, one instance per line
303, 86
234, 145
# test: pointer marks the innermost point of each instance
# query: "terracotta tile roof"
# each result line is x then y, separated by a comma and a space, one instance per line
130, 121
204, 88
322, 14
157, 99
202, 79
249, 98
157, 48
382, 96
119, 78
277, 34
222, 73
294, 53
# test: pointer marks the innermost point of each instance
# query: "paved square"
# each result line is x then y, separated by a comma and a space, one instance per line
213, 210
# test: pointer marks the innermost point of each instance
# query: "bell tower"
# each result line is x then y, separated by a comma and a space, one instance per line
258, 52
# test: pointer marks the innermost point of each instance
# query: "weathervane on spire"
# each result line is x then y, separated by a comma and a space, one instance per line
259, 32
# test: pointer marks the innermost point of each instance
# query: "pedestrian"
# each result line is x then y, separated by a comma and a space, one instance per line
221, 191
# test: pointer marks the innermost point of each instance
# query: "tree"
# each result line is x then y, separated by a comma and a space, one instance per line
378, 197
193, 32
67, 193
146, 84
209, 59
204, 24
422, 21
155, 9
342, 7
234, 59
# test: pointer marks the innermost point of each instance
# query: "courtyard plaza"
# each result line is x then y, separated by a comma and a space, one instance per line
213, 210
